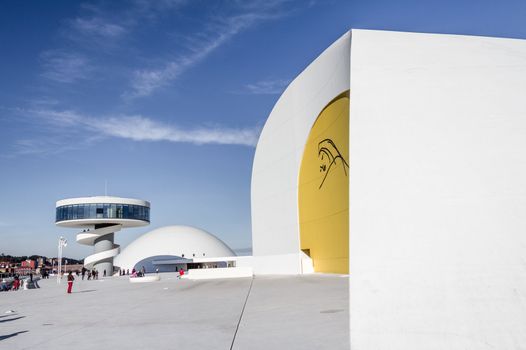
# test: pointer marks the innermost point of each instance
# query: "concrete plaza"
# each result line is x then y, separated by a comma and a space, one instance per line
271, 312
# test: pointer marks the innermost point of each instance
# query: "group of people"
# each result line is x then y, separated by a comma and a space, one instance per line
15, 285
93, 274
123, 272
140, 273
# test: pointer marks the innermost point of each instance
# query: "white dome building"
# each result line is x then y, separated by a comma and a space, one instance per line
171, 247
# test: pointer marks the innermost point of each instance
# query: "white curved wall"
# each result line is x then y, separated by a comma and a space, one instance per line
438, 192
274, 192
172, 240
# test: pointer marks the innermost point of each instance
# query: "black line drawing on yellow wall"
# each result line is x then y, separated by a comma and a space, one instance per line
329, 154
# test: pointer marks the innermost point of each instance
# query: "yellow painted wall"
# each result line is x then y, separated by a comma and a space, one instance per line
323, 194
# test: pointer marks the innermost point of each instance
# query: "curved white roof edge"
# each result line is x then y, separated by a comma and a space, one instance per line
274, 185
176, 240
102, 199
95, 221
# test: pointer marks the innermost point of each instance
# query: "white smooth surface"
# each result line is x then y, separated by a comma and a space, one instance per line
274, 195
173, 313
92, 259
89, 237
172, 240
307, 265
220, 272
437, 192
102, 199
145, 279
282, 264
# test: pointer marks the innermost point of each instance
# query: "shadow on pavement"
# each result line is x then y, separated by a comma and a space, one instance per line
3, 337
12, 319
7, 315
85, 291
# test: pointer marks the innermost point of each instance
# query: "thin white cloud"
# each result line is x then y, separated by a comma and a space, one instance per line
140, 128
267, 87
65, 67
100, 24
50, 145
218, 32
152, 9
39, 146
97, 27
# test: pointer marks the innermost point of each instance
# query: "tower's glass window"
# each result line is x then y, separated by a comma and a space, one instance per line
102, 210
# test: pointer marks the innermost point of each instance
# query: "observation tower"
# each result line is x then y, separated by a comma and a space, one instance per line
99, 218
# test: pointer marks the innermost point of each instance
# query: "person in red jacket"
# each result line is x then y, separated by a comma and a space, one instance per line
70, 281
16, 283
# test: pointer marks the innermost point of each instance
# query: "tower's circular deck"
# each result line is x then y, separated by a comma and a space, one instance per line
85, 211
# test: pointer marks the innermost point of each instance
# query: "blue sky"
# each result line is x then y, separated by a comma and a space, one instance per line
165, 99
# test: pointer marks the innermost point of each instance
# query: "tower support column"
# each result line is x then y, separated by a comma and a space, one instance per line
102, 244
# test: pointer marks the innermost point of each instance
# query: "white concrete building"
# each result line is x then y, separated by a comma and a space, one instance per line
436, 158
298, 225
170, 247
100, 217
437, 191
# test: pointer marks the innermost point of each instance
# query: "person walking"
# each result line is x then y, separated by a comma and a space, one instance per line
70, 281
16, 283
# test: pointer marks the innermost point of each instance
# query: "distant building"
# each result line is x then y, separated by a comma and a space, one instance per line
6, 267
72, 267
99, 218
28, 264
170, 248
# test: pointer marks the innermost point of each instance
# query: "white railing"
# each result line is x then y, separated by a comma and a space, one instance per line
89, 237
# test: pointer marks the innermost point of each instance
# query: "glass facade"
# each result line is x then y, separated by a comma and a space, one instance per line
102, 211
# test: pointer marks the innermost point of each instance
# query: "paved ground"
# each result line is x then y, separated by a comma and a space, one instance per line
300, 312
